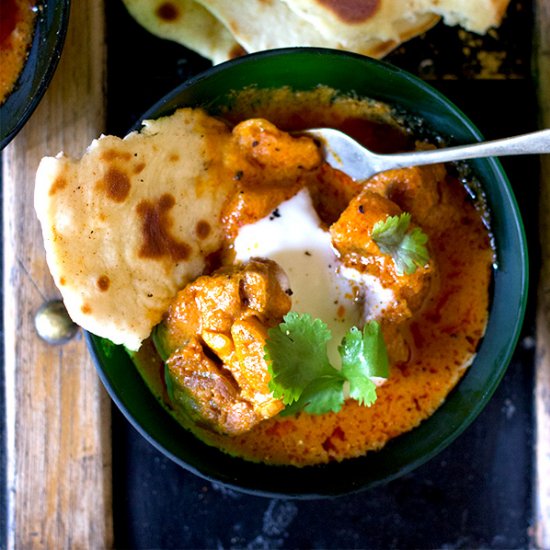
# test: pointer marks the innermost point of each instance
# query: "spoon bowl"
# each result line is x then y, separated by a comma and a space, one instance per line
348, 155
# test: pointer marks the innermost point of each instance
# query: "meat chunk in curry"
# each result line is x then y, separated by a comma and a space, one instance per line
268, 167
352, 237
213, 339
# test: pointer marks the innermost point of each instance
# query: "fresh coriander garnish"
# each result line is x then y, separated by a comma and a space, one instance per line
407, 248
364, 356
301, 373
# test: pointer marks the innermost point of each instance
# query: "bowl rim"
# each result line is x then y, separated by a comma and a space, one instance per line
307, 489
52, 16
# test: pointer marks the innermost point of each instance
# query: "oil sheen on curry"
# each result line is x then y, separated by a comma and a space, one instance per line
232, 246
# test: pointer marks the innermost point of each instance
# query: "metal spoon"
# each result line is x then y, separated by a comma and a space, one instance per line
349, 156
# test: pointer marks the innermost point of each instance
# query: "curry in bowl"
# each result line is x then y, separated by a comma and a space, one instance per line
278, 310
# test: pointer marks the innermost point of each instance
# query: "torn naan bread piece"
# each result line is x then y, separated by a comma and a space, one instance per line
189, 24
133, 221
474, 15
223, 29
263, 25
350, 22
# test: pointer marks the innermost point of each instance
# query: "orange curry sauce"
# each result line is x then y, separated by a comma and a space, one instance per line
440, 339
16, 31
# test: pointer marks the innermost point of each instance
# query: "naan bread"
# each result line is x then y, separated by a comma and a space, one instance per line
188, 23
131, 222
348, 22
222, 29
474, 15
262, 25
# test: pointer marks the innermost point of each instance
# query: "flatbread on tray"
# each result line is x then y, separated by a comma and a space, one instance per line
222, 29
258, 25
349, 22
131, 222
188, 23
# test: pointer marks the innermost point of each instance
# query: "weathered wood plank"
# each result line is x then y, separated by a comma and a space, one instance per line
58, 423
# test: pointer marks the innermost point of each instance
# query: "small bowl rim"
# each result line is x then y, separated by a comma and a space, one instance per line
305, 491
15, 113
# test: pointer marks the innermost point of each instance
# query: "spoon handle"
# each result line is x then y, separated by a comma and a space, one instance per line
533, 143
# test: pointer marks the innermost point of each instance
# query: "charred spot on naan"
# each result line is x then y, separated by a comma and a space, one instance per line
115, 184
156, 223
168, 11
203, 229
118, 167
352, 11
103, 283
59, 184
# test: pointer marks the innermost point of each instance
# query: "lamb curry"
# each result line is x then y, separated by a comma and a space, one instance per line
196, 243
432, 323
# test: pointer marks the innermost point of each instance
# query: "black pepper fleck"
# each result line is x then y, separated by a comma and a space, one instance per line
275, 214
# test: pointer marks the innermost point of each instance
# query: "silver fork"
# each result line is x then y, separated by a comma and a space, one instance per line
349, 156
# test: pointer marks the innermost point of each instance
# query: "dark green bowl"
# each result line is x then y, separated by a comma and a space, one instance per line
49, 34
305, 69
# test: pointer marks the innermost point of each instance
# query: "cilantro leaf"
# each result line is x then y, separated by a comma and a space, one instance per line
301, 374
298, 347
364, 356
320, 396
407, 248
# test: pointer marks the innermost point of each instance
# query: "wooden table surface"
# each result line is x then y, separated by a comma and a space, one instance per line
57, 414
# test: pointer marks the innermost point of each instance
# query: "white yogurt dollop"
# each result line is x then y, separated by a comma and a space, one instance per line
293, 237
